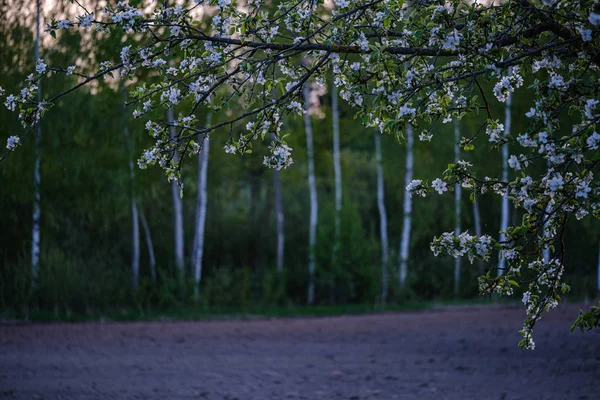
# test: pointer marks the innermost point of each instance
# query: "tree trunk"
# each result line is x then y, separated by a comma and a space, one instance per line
383, 231
149, 244
407, 217
457, 206
477, 227
201, 201
37, 178
279, 217
598, 276
312, 187
546, 249
337, 170
135, 228
505, 217
177, 206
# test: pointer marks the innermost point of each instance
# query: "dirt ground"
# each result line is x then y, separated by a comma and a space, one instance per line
466, 353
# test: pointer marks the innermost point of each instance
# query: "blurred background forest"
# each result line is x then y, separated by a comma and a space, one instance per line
87, 192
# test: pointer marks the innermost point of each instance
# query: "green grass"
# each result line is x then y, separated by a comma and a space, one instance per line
222, 313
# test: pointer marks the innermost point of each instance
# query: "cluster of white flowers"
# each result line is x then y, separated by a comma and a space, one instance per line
296, 107
593, 140
590, 107
279, 157
12, 142
85, 21
230, 149
557, 82
63, 24
172, 95
11, 102
464, 244
149, 157
124, 15
495, 131
507, 84
514, 163
40, 66
417, 187
406, 110
452, 41
555, 183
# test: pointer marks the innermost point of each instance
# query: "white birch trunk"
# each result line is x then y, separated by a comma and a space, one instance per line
337, 171
312, 187
407, 211
457, 206
37, 178
383, 230
546, 248
135, 246
149, 244
279, 219
177, 207
135, 228
598, 276
477, 227
504, 218
202, 200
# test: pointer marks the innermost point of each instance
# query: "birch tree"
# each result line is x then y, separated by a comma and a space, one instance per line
505, 214
598, 274
314, 207
135, 229
279, 219
477, 227
177, 205
37, 176
407, 208
457, 206
337, 172
201, 202
149, 244
383, 222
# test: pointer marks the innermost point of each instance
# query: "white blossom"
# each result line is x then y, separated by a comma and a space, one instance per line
10, 102
582, 189
439, 186
279, 158
230, 149
590, 106
342, 3
452, 40
593, 140
85, 21
586, 34
63, 24
555, 183
40, 66
514, 163
12, 142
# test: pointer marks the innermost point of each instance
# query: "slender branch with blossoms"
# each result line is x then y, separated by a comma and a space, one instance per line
421, 65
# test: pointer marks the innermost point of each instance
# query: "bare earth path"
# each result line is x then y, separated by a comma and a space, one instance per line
467, 353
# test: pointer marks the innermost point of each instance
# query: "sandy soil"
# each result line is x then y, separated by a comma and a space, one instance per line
468, 353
